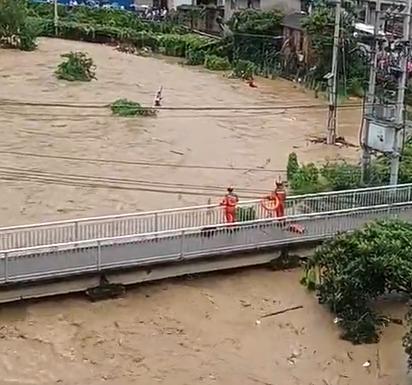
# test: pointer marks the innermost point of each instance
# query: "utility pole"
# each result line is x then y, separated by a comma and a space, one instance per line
400, 102
56, 18
370, 99
333, 79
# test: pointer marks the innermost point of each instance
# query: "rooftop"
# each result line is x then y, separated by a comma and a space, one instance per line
294, 20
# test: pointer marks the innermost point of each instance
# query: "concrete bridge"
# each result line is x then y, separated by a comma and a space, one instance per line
65, 256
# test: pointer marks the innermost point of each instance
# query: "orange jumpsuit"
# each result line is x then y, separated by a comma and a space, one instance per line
281, 195
229, 203
278, 197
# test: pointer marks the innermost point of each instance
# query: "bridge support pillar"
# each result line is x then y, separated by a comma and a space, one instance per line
105, 290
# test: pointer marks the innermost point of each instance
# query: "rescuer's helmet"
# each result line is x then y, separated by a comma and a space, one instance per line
230, 189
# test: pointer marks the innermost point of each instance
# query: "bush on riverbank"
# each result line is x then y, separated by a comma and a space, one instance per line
195, 57
244, 69
103, 17
77, 66
16, 28
334, 176
257, 22
216, 63
110, 26
354, 269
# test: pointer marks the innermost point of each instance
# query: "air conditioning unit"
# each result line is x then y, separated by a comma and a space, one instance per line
385, 112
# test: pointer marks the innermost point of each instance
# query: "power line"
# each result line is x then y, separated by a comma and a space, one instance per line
89, 181
176, 108
50, 116
142, 182
146, 163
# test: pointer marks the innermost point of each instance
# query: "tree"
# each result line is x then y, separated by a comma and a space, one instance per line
319, 26
293, 166
356, 268
256, 22
16, 29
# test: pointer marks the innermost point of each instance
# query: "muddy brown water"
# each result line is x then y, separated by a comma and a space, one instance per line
200, 331
245, 139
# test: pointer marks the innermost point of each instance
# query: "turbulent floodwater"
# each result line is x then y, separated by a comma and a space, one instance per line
248, 139
200, 331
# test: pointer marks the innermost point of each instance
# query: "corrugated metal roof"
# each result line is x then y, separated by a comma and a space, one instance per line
294, 20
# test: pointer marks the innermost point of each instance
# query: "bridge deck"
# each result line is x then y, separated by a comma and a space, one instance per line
190, 217
73, 258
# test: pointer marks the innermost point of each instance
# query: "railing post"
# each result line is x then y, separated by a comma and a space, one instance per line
182, 244
156, 222
76, 231
6, 267
99, 256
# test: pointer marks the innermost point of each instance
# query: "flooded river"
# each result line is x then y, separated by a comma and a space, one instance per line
246, 144
200, 331
207, 330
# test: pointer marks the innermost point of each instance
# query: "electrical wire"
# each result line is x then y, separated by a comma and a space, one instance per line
145, 163
12, 173
50, 116
83, 177
176, 108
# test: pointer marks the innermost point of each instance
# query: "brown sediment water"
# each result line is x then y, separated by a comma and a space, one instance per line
207, 330
245, 139
200, 331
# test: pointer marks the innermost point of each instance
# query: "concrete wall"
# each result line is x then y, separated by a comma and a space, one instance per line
287, 6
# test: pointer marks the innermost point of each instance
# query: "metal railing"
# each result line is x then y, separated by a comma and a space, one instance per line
96, 255
190, 217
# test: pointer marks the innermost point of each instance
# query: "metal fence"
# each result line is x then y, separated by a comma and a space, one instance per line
184, 244
191, 217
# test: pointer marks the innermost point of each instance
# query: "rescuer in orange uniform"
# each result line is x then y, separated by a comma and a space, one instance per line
281, 195
229, 203
276, 200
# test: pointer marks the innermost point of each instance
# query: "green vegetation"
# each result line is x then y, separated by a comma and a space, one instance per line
244, 214
195, 57
109, 26
180, 45
17, 30
251, 21
352, 67
254, 39
310, 178
407, 339
103, 17
244, 69
354, 269
127, 108
77, 67
216, 63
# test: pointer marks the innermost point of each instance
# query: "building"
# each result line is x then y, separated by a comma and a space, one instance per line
368, 10
296, 46
293, 30
287, 6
